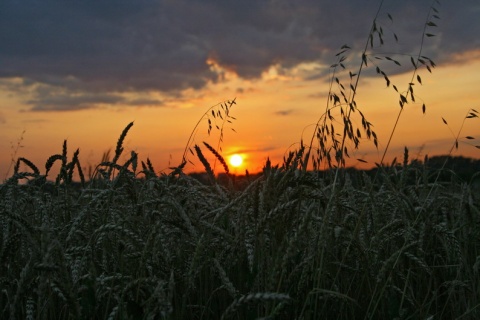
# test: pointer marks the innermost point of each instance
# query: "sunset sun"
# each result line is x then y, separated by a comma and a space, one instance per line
236, 160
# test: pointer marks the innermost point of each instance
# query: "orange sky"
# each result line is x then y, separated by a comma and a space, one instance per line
161, 133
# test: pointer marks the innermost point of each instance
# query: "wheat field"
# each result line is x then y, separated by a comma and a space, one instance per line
286, 244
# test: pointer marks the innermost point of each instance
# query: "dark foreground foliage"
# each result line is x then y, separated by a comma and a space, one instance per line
286, 245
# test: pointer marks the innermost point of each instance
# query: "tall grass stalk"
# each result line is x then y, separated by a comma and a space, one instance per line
15, 149
217, 113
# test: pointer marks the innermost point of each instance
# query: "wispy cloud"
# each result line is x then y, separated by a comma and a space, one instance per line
284, 112
256, 150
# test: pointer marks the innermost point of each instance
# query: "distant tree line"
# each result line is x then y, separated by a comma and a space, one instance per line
463, 167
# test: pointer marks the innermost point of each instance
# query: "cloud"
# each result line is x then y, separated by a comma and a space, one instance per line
145, 102
99, 49
61, 102
68, 101
284, 112
257, 150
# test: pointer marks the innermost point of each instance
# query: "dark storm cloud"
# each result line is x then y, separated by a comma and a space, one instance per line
100, 48
49, 101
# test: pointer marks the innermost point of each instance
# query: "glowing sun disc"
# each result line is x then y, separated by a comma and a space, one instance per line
236, 160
